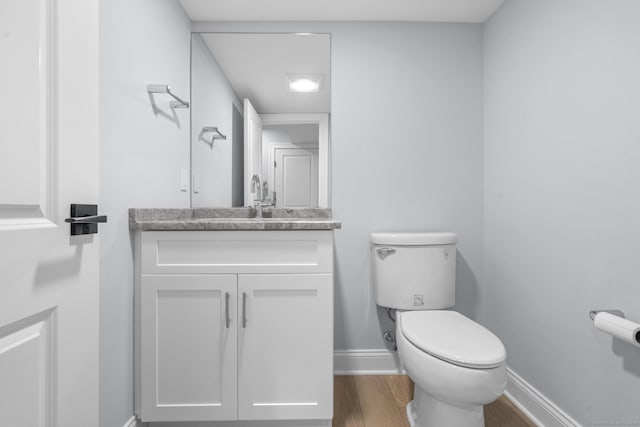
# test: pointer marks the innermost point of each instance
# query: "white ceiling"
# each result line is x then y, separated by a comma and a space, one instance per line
341, 10
257, 66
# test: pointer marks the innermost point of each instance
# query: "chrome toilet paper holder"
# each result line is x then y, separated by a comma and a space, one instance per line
614, 311
614, 323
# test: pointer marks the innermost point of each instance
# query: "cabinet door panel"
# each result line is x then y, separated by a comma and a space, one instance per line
285, 352
188, 352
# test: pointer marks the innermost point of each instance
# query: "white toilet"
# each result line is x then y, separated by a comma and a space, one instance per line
456, 364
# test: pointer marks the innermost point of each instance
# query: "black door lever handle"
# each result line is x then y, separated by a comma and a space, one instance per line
84, 219
87, 219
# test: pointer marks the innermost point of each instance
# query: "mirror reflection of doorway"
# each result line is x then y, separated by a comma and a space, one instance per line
296, 177
291, 159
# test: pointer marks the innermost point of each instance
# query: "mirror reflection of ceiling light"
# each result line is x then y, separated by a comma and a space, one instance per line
304, 84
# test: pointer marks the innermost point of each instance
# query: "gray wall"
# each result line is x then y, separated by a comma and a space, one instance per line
562, 205
406, 142
406, 152
559, 211
212, 104
141, 154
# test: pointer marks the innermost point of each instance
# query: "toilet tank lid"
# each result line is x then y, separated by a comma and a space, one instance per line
413, 239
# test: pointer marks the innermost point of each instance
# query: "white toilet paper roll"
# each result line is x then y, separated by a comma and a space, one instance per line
619, 327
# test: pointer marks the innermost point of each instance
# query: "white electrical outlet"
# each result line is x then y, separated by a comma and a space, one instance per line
184, 179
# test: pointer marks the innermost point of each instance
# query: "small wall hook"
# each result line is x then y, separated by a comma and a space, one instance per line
216, 133
178, 103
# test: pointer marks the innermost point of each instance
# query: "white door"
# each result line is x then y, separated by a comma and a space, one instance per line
48, 159
252, 150
188, 347
296, 177
285, 346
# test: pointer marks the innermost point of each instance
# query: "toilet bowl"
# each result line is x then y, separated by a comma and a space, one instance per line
451, 392
456, 364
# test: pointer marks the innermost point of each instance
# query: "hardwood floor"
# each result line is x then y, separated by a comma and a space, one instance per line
380, 401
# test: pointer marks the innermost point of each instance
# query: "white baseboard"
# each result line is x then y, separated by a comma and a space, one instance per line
366, 362
535, 405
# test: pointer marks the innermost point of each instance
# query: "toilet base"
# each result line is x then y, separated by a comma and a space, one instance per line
425, 411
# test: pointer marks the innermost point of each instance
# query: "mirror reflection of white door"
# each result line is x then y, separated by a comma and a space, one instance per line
252, 150
296, 177
320, 120
48, 280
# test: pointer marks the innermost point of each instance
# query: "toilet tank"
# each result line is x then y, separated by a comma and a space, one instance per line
414, 271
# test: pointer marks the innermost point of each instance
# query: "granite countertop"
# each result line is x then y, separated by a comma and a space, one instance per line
230, 219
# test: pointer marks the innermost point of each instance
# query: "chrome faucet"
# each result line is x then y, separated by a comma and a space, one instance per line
256, 185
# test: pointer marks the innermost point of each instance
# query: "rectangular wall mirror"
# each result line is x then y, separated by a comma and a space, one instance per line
260, 106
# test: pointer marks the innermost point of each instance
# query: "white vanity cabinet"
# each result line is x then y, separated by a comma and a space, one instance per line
188, 365
234, 325
285, 352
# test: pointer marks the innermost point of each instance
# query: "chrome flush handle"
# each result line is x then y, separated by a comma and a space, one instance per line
385, 252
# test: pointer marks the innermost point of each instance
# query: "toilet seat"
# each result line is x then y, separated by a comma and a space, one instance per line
454, 338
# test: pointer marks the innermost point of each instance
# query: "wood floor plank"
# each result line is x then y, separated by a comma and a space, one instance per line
380, 401
401, 388
377, 403
346, 409
503, 413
